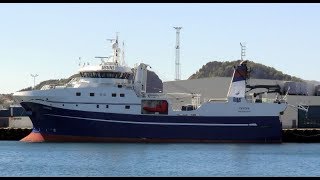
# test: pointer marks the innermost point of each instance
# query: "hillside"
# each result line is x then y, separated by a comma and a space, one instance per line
5, 100
225, 69
51, 81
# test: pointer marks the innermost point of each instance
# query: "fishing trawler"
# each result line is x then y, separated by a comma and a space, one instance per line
109, 103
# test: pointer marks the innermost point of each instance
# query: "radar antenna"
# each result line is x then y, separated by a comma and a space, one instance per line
111, 40
102, 58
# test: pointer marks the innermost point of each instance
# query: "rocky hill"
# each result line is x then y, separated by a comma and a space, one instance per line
225, 69
5, 101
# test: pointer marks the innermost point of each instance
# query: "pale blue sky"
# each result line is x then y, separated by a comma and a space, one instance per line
47, 39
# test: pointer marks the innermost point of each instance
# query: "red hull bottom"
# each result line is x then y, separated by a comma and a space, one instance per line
39, 137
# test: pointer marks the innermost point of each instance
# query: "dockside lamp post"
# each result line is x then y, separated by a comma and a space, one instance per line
34, 79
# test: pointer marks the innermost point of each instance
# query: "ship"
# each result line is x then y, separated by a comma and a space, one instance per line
108, 102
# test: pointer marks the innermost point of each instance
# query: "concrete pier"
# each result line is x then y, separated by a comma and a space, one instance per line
14, 133
301, 135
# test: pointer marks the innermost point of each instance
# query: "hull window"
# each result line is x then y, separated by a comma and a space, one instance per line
91, 94
78, 94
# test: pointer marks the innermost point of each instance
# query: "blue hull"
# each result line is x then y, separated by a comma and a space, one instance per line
72, 125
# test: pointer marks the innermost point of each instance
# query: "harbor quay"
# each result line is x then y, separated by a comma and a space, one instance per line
292, 135
14, 133
301, 135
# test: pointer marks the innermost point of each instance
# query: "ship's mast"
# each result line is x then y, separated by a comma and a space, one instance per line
122, 56
243, 54
116, 58
116, 49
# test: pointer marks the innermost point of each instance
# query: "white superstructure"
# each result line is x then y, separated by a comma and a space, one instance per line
115, 88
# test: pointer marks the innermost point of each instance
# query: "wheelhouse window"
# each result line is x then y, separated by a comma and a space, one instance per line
113, 94
78, 94
117, 75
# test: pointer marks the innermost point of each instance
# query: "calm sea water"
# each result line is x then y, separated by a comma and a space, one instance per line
130, 159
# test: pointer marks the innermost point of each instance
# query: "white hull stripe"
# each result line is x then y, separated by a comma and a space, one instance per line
153, 123
61, 102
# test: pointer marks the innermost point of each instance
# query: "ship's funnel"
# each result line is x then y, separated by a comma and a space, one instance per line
238, 82
140, 79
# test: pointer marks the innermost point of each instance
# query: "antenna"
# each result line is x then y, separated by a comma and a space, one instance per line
123, 63
243, 51
34, 79
117, 34
79, 61
177, 52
